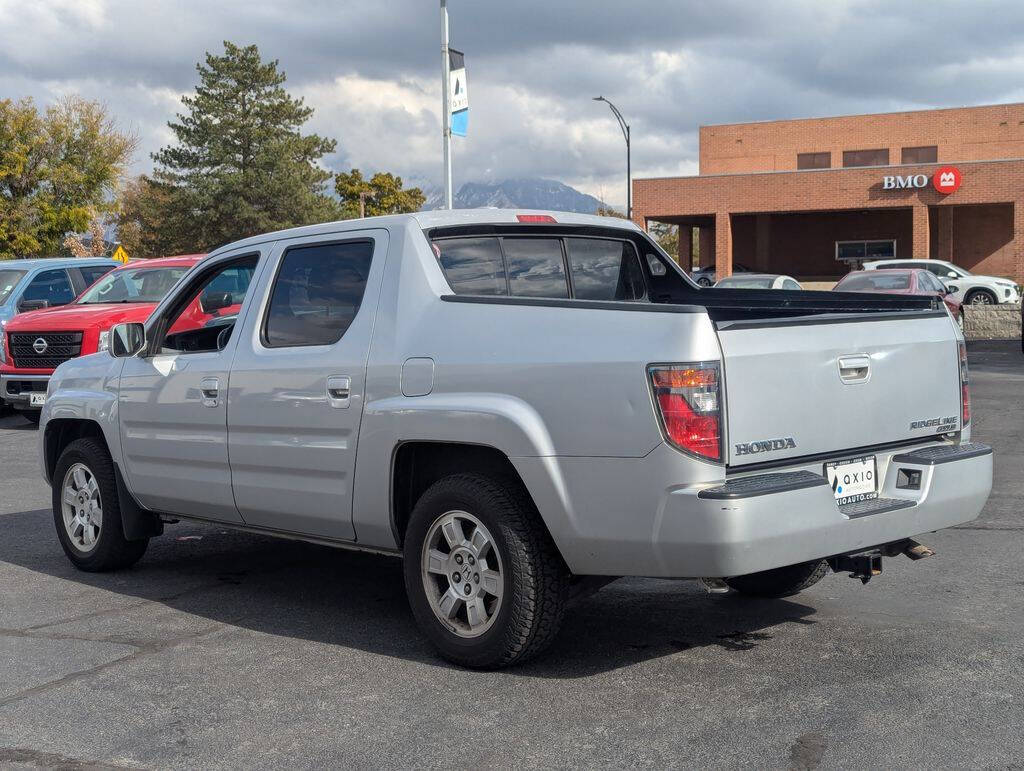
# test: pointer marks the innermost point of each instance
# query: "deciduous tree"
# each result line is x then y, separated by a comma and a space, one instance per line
58, 170
383, 193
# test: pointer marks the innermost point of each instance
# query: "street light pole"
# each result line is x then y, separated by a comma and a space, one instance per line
446, 112
629, 173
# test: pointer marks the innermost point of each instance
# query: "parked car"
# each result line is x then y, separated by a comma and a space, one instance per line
706, 276
758, 281
523, 405
967, 287
36, 342
899, 281
27, 285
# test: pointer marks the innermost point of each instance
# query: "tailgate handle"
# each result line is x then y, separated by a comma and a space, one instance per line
854, 369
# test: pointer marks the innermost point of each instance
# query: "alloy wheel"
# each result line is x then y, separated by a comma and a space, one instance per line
82, 507
462, 573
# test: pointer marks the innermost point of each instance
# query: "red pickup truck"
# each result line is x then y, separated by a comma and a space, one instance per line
34, 344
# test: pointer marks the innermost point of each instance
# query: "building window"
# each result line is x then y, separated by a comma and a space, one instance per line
929, 154
866, 157
814, 160
859, 251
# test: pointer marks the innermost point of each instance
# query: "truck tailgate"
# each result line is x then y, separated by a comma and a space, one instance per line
831, 384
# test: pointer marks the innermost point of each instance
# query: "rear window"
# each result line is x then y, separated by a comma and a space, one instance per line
605, 269
874, 282
526, 266
745, 283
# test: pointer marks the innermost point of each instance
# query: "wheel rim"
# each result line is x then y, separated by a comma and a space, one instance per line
981, 299
82, 507
462, 573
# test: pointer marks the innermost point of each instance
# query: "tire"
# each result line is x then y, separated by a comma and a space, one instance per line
703, 281
780, 582
980, 297
85, 465
32, 416
522, 566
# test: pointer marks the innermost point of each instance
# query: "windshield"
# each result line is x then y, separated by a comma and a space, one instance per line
8, 280
874, 282
134, 285
746, 283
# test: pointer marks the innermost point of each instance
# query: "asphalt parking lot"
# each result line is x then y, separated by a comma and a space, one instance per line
222, 649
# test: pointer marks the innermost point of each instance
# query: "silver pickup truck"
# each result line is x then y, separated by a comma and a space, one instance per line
524, 405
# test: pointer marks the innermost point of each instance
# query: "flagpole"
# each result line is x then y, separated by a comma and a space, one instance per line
446, 112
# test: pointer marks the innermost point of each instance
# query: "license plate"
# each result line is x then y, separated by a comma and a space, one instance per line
36, 400
853, 480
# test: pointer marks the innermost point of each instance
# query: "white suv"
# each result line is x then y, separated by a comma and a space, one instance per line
965, 286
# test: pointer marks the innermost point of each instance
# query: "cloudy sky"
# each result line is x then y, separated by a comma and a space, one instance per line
371, 70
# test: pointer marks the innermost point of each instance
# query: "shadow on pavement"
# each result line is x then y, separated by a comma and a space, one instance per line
303, 591
12, 420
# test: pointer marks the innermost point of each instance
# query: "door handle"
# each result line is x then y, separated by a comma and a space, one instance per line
209, 387
339, 389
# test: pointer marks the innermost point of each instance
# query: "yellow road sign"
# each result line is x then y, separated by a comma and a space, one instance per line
120, 255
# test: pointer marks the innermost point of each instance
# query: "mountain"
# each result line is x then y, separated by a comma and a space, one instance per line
517, 194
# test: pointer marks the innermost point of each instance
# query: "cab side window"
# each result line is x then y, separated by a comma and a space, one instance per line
317, 293
93, 273
52, 286
204, 319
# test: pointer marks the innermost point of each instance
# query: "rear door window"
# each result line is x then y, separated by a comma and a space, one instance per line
93, 273
535, 267
317, 293
604, 269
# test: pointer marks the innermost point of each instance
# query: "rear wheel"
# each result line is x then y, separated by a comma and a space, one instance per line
485, 582
980, 297
780, 582
704, 281
87, 512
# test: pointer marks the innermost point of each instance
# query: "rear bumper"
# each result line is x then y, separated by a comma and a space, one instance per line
15, 390
621, 521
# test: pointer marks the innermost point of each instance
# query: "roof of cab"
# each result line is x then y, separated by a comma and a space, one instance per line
53, 262
434, 219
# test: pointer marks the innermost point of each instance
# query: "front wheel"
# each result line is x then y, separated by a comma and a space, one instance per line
87, 512
980, 297
485, 582
780, 582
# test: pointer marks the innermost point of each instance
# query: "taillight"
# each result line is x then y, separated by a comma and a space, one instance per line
965, 387
688, 397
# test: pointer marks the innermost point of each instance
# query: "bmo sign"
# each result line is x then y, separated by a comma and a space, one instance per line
946, 180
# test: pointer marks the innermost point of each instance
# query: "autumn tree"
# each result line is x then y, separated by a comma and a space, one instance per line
58, 170
383, 193
142, 221
241, 164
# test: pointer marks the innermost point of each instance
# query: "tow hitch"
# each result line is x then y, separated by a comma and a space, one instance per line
866, 565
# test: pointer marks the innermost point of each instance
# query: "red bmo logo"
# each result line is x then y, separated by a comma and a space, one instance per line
947, 179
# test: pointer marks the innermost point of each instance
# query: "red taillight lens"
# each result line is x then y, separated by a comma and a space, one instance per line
689, 403
965, 387
535, 218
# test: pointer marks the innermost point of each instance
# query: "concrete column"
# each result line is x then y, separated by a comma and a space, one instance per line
685, 255
762, 245
1018, 241
920, 236
723, 245
706, 244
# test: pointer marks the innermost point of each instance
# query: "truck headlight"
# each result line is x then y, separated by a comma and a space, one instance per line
104, 343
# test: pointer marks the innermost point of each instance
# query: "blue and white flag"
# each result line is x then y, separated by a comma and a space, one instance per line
457, 92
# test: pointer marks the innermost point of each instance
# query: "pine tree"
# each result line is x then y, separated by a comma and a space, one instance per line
241, 165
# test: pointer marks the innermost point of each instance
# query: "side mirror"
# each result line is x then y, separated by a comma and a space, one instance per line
127, 339
952, 274
952, 288
32, 305
211, 302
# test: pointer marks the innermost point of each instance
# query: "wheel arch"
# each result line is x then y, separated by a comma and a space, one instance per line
416, 465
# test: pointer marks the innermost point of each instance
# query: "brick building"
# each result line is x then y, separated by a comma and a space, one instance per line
810, 197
